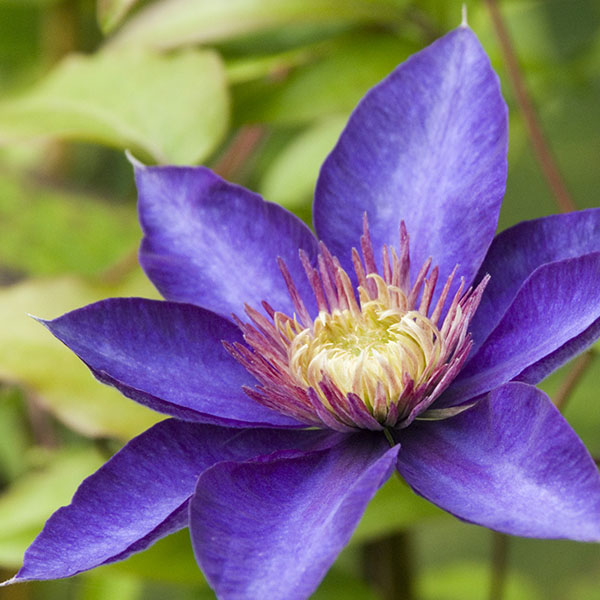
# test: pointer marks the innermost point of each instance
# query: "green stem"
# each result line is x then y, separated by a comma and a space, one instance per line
59, 38
40, 423
500, 544
388, 565
389, 438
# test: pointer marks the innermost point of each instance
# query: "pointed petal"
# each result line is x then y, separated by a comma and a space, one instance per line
167, 356
542, 368
517, 252
211, 243
553, 316
141, 494
511, 463
271, 529
428, 146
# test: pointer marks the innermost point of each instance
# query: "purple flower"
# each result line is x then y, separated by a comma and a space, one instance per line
417, 356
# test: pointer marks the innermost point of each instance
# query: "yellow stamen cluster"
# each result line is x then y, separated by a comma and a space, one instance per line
377, 347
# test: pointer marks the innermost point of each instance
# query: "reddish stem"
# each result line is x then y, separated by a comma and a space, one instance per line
540, 145
572, 379
239, 150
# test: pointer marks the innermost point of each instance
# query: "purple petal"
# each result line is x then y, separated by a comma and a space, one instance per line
211, 243
141, 494
167, 356
541, 369
550, 320
271, 529
428, 146
517, 252
511, 463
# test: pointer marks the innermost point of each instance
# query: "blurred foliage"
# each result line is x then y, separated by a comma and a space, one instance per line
259, 90
172, 23
172, 109
40, 226
112, 12
53, 374
34, 497
464, 580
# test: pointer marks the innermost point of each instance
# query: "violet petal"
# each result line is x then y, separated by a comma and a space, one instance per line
550, 318
141, 493
271, 529
168, 356
215, 244
511, 463
428, 146
518, 251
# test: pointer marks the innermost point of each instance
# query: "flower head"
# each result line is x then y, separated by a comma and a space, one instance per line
276, 443
375, 356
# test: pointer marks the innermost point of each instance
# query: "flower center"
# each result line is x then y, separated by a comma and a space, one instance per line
378, 347
377, 355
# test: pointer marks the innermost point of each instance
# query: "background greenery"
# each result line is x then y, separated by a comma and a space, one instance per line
258, 90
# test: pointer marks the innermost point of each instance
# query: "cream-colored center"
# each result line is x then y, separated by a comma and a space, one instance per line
379, 349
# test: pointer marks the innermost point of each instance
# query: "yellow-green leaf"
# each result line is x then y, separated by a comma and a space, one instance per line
171, 559
46, 231
394, 507
170, 109
466, 580
291, 177
25, 506
331, 85
175, 23
111, 12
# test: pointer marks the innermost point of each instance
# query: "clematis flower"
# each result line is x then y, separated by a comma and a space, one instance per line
300, 374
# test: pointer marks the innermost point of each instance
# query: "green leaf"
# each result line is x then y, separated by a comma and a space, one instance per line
13, 545
170, 560
112, 12
467, 580
330, 86
30, 355
45, 231
394, 507
252, 67
20, 43
30, 2
291, 177
171, 109
174, 23
14, 438
340, 584
97, 586
587, 589
26, 505
581, 409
